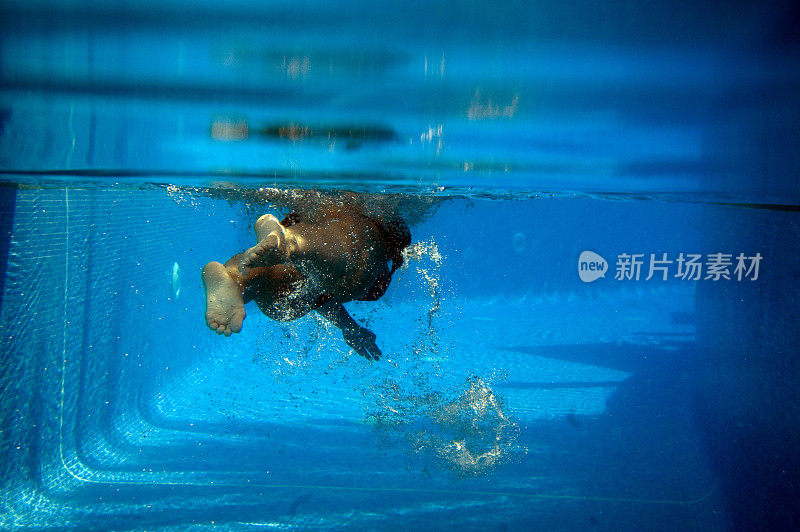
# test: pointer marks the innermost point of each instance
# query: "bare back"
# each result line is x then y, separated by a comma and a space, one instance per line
345, 252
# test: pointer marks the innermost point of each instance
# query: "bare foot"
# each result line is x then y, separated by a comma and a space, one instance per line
224, 302
265, 225
274, 245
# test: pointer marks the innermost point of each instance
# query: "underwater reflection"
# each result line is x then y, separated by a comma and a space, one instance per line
331, 136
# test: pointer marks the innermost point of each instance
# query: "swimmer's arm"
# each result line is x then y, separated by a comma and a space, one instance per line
360, 339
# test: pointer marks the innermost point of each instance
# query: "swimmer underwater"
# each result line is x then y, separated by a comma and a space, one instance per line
323, 254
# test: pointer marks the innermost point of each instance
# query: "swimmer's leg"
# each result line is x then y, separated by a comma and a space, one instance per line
274, 246
224, 300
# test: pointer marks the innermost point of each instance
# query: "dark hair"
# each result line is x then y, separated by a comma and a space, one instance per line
398, 237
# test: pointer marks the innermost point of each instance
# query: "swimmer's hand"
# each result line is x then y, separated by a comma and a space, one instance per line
362, 341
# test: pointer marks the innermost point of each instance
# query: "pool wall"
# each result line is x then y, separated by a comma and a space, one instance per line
120, 406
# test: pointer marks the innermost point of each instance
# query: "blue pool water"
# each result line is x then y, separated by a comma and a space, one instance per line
525, 383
